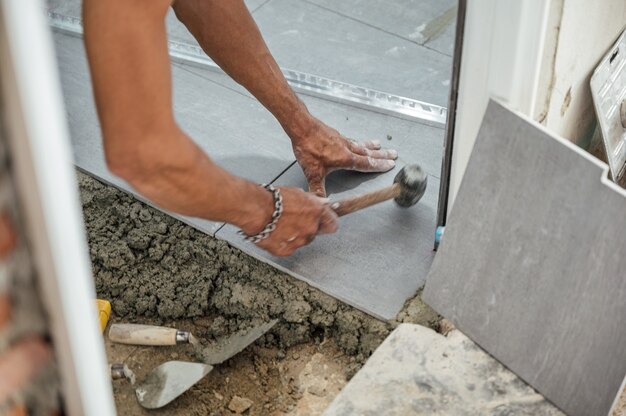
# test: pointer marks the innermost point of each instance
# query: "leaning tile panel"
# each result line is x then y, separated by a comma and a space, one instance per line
532, 263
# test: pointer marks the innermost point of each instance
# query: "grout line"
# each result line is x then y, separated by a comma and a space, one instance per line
185, 68
271, 182
283, 172
259, 6
376, 28
219, 229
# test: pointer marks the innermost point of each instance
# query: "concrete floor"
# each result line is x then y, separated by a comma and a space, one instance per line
380, 256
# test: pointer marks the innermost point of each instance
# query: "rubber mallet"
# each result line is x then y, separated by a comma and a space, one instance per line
408, 188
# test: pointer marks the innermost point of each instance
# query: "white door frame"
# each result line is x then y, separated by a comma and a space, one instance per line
47, 187
502, 50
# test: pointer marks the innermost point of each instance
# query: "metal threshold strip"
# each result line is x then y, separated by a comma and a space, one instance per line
309, 84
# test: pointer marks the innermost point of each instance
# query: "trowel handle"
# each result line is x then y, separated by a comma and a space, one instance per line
135, 334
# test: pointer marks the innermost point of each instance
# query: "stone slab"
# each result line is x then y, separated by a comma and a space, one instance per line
308, 38
236, 131
531, 266
425, 22
415, 142
317, 40
379, 257
417, 371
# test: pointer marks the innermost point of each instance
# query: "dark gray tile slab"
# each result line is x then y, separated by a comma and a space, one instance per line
237, 132
308, 38
379, 257
444, 41
71, 8
350, 264
531, 266
426, 22
419, 372
414, 141
176, 30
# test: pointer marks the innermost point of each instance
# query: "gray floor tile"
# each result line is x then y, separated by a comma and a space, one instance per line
71, 8
444, 42
531, 266
176, 30
311, 39
379, 257
427, 22
305, 37
416, 143
236, 131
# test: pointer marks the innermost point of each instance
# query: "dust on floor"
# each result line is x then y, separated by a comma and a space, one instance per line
155, 269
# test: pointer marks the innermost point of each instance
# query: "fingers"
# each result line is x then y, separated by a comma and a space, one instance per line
372, 144
372, 149
20, 364
370, 164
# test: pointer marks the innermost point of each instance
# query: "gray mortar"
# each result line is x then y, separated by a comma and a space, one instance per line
151, 265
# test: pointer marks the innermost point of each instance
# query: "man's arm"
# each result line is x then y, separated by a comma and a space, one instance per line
130, 68
229, 35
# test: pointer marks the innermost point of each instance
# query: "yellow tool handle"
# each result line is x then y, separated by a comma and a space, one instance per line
104, 312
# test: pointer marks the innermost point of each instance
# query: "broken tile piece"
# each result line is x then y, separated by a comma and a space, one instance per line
417, 371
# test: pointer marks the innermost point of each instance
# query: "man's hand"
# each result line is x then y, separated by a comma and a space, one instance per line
323, 150
304, 217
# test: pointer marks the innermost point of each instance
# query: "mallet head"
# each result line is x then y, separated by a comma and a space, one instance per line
413, 181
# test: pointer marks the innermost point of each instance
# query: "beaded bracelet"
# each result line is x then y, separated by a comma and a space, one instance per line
278, 211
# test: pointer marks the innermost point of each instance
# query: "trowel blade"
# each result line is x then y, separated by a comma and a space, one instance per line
228, 347
168, 381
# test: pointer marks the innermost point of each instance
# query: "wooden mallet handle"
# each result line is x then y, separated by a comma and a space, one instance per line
350, 205
408, 188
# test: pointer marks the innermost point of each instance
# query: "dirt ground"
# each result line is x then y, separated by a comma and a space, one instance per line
157, 270
300, 380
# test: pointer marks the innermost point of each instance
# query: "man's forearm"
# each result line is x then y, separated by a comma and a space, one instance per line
127, 50
229, 35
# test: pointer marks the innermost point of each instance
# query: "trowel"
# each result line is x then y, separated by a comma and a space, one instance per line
217, 353
163, 384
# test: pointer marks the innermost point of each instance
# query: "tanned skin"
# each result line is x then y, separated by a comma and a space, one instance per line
127, 49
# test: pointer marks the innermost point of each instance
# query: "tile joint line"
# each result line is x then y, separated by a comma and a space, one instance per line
308, 84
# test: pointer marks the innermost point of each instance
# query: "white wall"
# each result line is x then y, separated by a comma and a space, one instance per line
581, 32
536, 56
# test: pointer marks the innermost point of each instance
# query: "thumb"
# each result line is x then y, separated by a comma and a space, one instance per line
317, 186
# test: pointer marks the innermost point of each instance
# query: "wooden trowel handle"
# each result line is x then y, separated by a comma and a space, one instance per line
135, 334
350, 205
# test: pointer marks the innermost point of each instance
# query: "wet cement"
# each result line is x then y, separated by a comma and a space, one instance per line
151, 265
